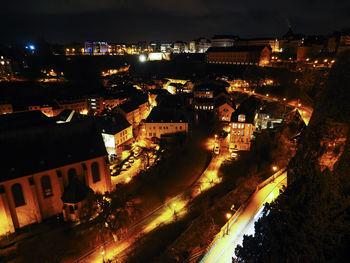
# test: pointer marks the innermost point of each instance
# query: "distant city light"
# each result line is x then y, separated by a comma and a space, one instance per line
31, 47
142, 58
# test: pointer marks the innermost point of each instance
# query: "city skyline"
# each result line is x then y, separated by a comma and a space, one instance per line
132, 21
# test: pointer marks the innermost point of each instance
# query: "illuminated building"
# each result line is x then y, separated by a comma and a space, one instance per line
166, 48
95, 48
223, 109
134, 111
223, 40
95, 104
180, 47
5, 108
62, 163
162, 121
6, 71
242, 125
205, 95
245, 55
272, 43
79, 105
115, 130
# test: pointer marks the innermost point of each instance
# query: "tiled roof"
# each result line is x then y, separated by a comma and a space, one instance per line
236, 49
166, 115
249, 108
35, 149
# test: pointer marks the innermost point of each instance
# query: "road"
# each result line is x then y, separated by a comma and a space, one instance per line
173, 208
305, 111
242, 222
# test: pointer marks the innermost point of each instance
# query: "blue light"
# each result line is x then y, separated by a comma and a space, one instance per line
31, 47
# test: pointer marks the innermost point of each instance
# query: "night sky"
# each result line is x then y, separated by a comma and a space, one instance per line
64, 21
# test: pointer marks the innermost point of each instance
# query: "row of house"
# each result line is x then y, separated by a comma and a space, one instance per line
83, 105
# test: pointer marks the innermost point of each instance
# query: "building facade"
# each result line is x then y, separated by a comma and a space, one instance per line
163, 121
245, 55
57, 156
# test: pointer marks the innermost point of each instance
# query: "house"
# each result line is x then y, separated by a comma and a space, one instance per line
48, 170
206, 93
163, 121
134, 111
240, 55
242, 125
223, 109
115, 130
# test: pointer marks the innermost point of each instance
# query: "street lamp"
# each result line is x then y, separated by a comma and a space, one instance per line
228, 216
274, 168
103, 256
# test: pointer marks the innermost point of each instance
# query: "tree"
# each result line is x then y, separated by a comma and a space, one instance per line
115, 211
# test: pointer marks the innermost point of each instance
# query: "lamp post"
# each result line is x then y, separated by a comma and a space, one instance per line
103, 256
228, 216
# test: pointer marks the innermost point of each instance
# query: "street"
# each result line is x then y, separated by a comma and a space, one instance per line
242, 223
166, 213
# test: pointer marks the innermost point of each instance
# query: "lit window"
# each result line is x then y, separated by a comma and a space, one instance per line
241, 118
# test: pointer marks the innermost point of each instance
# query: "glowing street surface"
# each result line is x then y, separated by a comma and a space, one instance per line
168, 212
242, 223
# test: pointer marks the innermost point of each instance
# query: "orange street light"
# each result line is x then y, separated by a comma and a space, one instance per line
228, 215
274, 168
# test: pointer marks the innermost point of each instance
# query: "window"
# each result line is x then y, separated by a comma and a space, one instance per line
242, 133
95, 172
180, 127
150, 134
242, 126
72, 173
46, 186
17, 195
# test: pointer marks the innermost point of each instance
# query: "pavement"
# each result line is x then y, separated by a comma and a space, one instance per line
242, 222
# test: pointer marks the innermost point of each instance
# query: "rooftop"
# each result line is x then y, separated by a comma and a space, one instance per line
166, 115
236, 49
249, 108
35, 149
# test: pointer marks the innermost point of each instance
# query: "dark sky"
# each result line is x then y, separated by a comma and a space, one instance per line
166, 20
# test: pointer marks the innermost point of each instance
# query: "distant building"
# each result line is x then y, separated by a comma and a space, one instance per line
5, 108
180, 47
269, 42
96, 48
61, 165
242, 125
244, 55
163, 121
223, 40
6, 70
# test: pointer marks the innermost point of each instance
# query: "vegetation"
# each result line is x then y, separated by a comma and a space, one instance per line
309, 222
